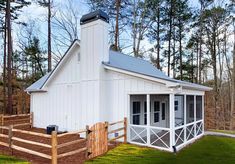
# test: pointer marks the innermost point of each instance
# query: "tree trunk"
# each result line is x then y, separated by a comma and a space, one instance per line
9, 58
49, 36
200, 48
169, 40
118, 4
134, 29
174, 54
192, 71
200, 62
180, 51
233, 85
213, 57
197, 63
4, 67
158, 36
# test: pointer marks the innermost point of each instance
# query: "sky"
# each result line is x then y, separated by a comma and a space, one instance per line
39, 15
33, 12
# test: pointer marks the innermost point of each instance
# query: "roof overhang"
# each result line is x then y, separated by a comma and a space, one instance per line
35, 90
170, 84
55, 70
57, 67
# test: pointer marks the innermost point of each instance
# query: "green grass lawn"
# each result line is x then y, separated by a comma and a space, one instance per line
10, 160
208, 150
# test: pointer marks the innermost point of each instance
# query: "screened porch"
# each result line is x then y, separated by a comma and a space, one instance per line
165, 121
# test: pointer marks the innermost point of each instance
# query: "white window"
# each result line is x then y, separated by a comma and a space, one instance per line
156, 111
136, 113
163, 111
176, 105
199, 107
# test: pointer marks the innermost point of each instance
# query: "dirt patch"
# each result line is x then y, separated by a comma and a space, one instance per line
73, 159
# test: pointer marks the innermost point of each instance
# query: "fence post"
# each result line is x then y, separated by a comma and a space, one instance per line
2, 121
87, 141
31, 119
125, 129
10, 137
107, 134
54, 147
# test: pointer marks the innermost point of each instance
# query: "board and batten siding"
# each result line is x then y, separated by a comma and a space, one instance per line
57, 105
72, 103
119, 86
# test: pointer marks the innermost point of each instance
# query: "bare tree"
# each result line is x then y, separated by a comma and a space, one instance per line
140, 24
66, 22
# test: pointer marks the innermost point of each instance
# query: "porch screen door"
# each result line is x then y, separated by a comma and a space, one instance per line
155, 113
158, 114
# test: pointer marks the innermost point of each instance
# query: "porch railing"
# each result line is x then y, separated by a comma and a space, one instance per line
188, 132
159, 137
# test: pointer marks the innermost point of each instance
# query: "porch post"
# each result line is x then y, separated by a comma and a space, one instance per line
148, 119
203, 109
172, 120
185, 116
128, 115
195, 118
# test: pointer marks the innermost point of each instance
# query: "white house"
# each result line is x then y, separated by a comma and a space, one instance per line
93, 84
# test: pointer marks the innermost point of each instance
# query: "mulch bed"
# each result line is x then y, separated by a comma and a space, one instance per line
73, 159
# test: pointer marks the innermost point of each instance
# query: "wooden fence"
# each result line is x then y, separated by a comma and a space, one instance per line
16, 120
54, 146
124, 129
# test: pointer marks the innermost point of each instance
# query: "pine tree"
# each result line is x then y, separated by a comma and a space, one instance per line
183, 16
203, 6
213, 19
118, 15
139, 23
155, 30
10, 12
48, 4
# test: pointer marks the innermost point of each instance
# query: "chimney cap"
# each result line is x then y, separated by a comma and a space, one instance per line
90, 17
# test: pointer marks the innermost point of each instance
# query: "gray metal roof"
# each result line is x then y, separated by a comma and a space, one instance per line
38, 84
131, 64
140, 66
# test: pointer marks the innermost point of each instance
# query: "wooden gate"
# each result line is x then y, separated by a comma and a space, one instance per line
97, 139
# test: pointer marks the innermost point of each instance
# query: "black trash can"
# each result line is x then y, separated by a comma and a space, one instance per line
51, 128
